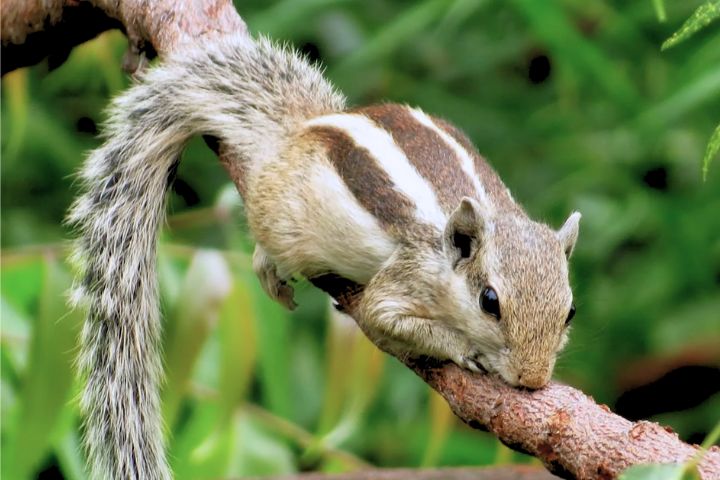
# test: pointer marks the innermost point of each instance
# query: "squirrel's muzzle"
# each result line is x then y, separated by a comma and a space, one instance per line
534, 380
534, 375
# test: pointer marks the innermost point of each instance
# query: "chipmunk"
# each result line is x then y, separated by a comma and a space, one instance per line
385, 196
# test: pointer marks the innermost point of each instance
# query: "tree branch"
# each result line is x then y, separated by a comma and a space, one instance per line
571, 434
30, 34
508, 472
36, 29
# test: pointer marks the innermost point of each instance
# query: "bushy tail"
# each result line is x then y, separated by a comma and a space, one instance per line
250, 95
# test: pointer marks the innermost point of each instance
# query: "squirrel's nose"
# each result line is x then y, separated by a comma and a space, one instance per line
533, 380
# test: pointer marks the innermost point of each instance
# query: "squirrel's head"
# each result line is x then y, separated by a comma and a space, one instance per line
520, 304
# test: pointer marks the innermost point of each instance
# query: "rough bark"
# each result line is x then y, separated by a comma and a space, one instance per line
571, 434
35, 29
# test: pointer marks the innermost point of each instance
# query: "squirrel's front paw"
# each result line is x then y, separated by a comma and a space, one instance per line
471, 360
277, 288
468, 364
284, 294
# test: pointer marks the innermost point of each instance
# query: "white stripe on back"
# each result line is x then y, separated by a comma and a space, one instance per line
383, 149
365, 246
466, 162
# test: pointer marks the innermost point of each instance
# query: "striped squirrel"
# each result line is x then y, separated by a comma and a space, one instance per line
385, 196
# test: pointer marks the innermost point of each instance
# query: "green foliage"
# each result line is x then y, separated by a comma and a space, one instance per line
612, 127
656, 472
46, 366
711, 151
701, 18
659, 6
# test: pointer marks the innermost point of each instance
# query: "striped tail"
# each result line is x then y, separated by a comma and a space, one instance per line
248, 94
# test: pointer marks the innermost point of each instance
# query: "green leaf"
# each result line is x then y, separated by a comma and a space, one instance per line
68, 451
170, 276
698, 92
15, 93
273, 329
14, 337
442, 420
238, 345
710, 440
201, 448
712, 150
206, 285
659, 6
701, 18
654, 472
355, 367
339, 344
712, 437
49, 375
19, 284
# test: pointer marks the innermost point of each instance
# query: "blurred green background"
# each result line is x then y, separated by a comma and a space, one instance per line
573, 103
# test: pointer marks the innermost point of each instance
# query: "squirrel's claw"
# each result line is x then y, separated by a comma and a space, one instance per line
469, 363
284, 294
277, 288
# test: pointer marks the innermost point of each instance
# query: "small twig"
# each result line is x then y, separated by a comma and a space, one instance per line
287, 429
199, 217
302, 437
19, 254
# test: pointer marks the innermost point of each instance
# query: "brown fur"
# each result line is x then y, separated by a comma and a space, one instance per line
425, 150
495, 188
369, 183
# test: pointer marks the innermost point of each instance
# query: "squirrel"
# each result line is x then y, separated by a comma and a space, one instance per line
386, 196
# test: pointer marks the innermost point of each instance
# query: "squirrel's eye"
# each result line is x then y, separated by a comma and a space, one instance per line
571, 314
489, 302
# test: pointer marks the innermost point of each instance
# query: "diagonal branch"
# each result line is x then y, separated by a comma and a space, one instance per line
571, 434
567, 430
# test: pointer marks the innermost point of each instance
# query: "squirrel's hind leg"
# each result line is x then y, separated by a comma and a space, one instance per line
275, 286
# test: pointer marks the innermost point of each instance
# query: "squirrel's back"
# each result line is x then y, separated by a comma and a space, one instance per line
371, 178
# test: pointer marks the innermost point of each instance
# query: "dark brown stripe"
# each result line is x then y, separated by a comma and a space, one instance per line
368, 182
337, 287
431, 156
494, 187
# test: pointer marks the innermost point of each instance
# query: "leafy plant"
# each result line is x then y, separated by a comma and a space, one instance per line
701, 18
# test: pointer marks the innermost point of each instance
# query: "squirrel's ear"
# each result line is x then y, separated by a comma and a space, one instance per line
464, 229
568, 233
